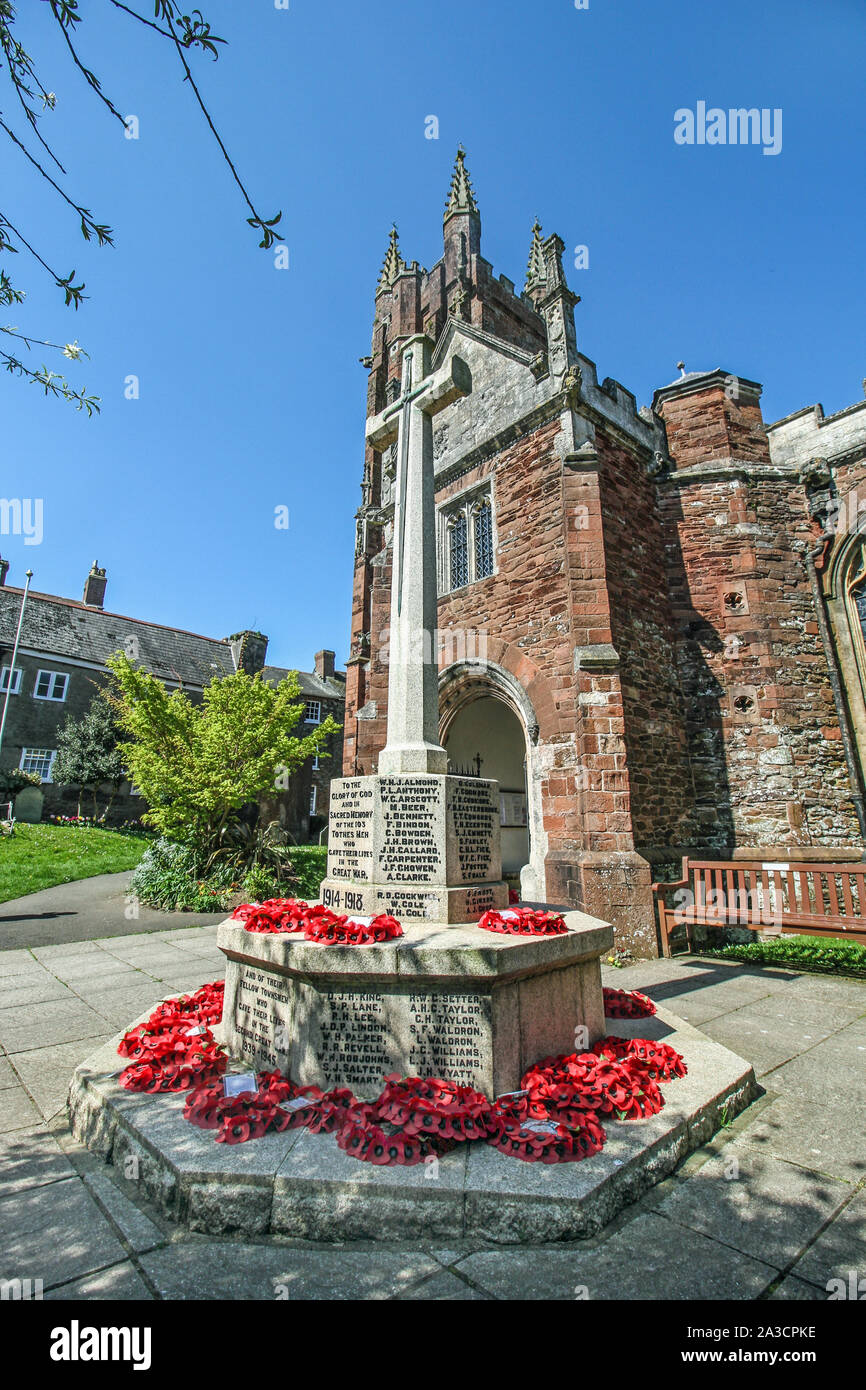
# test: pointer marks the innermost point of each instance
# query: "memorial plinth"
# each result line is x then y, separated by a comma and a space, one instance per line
457, 1002
447, 999
422, 847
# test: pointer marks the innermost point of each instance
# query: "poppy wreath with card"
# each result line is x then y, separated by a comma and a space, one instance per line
523, 921
661, 1061
317, 922
539, 1141
624, 1003
434, 1108
363, 1135
273, 915
350, 931
597, 1084
174, 1049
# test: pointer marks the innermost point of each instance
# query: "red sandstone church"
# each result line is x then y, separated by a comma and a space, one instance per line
651, 621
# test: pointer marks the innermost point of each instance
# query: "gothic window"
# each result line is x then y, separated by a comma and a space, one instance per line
458, 551
844, 584
483, 526
467, 543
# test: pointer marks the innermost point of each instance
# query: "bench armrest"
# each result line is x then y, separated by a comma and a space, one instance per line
659, 888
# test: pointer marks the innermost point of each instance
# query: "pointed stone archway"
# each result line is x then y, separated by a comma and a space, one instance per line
484, 711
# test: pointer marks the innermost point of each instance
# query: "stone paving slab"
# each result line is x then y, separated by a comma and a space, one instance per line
799, 1010
57, 1021
17, 1110
796, 1290
55, 1233
31, 989
14, 963
839, 1061
649, 1259
839, 1249
755, 1203
119, 1283
31, 1158
220, 1270
767, 1042
802, 1129
45, 1072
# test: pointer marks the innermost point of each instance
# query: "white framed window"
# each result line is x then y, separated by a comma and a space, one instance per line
39, 760
50, 685
467, 544
315, 762
12, 686
134, 790
313, 712
313, 791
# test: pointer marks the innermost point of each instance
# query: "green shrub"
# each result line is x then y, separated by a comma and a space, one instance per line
169, 877
13, 781
800, 953
309, 863
259, 884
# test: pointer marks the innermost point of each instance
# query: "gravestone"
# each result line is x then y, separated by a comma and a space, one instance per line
446, 999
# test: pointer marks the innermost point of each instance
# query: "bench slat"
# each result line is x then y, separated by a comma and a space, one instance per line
797, 897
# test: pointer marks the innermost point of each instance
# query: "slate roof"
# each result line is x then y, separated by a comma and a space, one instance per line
66, 628
313, 686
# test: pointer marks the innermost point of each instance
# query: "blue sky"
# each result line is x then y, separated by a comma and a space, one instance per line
251, 394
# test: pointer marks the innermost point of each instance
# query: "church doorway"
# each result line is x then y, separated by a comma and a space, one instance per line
485, 738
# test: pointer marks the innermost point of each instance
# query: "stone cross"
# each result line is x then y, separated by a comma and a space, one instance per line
413, 682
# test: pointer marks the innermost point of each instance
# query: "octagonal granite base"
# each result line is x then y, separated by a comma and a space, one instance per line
300, 1184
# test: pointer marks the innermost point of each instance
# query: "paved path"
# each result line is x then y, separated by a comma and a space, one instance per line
88, 908
773, 1208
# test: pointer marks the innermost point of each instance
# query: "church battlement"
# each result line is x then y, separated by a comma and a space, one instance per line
809, 433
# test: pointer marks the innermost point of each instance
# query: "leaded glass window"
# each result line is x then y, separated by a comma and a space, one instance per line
458, 551
483, 526
467, 541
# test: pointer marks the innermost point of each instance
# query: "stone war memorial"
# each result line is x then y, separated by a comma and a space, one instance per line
415, 1053
413, 841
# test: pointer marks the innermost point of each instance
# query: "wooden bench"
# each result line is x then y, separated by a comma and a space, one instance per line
810, 898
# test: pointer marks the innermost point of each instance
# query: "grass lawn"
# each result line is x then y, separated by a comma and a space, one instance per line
38, 856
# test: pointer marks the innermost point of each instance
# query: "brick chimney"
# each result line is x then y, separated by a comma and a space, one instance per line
248, 651
4, 570
325, 664
94, 587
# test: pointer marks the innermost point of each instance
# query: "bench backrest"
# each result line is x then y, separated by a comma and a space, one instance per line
774, 892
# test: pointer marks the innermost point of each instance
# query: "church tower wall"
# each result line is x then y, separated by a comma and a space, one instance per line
763, 724
657, 612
